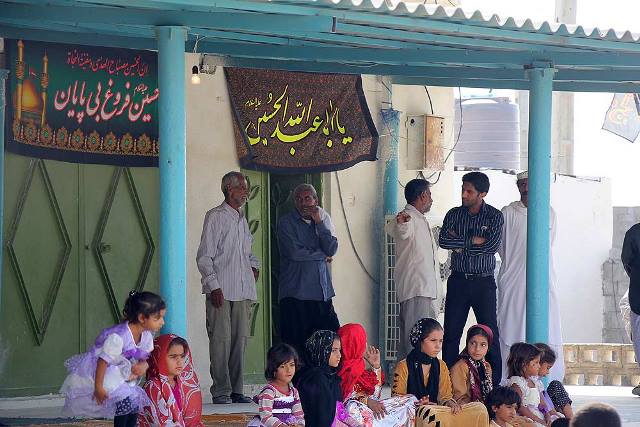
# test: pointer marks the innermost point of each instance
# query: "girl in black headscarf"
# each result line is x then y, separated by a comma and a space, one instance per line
427, 378
318, 383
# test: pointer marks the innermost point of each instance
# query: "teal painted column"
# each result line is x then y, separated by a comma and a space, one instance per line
3, 78
173, 169
538, 244
391, 122
389, 155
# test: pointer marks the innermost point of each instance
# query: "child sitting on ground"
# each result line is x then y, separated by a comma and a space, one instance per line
103, 381
172, 386
471, 374
596, 415
503, 404
555, 395
524, 367
278, 401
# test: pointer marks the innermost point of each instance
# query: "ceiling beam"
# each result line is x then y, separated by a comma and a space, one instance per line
214, 20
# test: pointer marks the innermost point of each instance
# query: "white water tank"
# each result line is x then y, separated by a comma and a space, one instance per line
490, 133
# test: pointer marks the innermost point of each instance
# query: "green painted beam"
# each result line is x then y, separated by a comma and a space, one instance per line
382, 70
214, 20
76, 38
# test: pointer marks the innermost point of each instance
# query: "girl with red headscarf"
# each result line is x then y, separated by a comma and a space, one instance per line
362, 387
172, 386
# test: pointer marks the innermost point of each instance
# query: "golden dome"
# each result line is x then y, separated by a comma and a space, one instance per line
31, 100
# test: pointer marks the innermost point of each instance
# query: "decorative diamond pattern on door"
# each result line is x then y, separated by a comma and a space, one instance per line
52, 257
100, 247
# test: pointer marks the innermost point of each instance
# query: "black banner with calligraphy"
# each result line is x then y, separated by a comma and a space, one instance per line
289, 122
82, 104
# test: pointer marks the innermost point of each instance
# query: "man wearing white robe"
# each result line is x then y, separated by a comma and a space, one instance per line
512, 282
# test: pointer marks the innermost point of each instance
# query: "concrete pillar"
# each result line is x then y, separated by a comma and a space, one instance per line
173, 172
538, 243
563, 107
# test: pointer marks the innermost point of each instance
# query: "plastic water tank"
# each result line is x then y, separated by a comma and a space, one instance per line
490, 134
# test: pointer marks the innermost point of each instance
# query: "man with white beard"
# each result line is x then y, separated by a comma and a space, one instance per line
512, 281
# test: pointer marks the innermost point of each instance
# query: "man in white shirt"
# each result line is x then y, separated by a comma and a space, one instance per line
512, 281
417, 270
229, 272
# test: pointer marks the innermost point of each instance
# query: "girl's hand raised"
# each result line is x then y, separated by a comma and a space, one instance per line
372, 355
100, 395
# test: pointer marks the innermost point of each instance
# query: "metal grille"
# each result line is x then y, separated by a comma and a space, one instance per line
391, 306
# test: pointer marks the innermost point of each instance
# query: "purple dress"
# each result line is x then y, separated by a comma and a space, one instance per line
114, 345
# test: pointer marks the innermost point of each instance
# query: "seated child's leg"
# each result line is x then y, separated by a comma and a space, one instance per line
560, 398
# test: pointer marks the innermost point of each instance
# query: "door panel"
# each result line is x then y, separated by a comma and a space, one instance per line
78, 238
120, 240
257, 213
39, 326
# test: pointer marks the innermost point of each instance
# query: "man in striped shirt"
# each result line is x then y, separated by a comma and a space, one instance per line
473, 232
229, 272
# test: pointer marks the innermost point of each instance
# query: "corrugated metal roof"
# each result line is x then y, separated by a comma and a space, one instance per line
425, 44
476, 18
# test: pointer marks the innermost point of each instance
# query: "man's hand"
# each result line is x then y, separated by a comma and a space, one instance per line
403, 217
328, 259
452, 233
256, 273
477, 240
217, 298
314, 212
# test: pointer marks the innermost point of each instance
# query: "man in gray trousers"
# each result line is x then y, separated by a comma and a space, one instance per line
229, 272
417, 270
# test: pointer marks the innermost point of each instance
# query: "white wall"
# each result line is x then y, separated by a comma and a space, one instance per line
356, 294
583, 240
211, 153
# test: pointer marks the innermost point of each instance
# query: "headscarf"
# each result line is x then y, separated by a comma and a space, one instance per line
480, 383
319, 347
158, 388
416, 358
352, 370
317, 382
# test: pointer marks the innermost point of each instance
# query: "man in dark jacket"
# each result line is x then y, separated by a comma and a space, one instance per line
631, 262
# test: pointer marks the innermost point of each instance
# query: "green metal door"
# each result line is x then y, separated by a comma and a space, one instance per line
257, 213
281, 203
77, 239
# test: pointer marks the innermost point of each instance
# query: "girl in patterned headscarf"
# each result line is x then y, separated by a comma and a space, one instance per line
471, 374
172, 386
319, 384
426, 377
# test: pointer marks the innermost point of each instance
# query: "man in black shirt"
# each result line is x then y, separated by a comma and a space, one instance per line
631, 261
473, 232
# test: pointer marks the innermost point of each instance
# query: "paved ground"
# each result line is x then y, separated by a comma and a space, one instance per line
46, 411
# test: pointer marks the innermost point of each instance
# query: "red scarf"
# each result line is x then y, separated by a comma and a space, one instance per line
164, 407
352, 370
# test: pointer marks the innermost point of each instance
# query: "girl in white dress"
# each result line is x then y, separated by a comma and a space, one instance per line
523, 366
